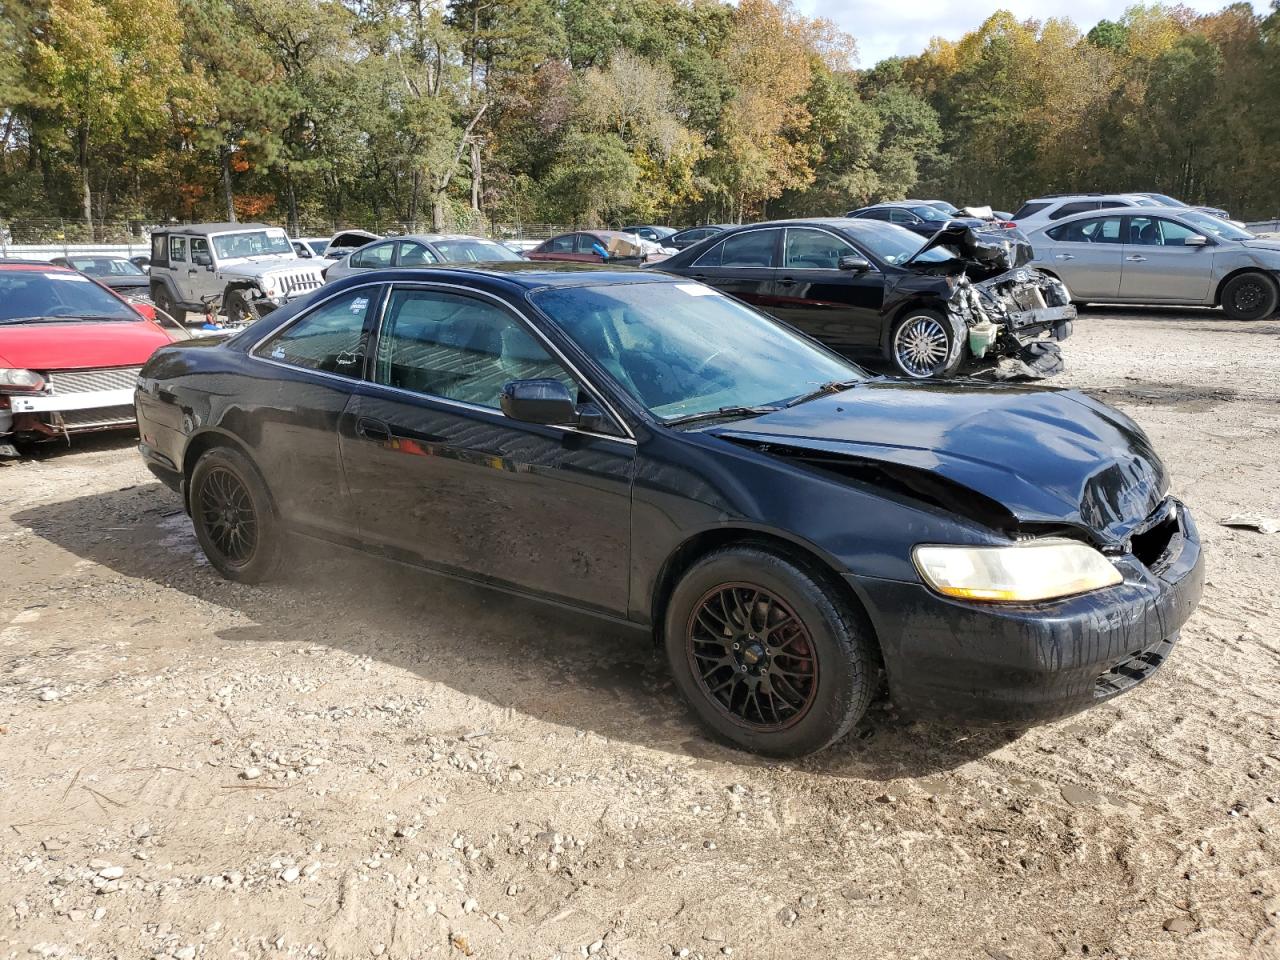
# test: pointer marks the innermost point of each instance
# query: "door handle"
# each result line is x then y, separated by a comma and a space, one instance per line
1066, 256
786, 282
375, 431
1136, 259
699, 276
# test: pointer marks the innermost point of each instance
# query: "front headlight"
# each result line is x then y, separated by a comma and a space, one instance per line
1037, 570
26, 381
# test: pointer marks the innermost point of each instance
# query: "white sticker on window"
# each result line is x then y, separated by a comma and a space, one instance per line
68, 276
277, 353
697, 290
359, 304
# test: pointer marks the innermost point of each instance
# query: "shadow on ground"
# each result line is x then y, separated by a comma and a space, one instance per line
530, 657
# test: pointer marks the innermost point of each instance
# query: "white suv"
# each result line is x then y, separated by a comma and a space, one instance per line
247, 268
1043, 210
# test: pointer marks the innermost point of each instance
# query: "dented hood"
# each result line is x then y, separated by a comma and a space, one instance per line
994, 248
1052, 457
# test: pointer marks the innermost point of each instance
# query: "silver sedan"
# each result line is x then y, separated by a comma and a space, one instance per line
1162, 255
419, 249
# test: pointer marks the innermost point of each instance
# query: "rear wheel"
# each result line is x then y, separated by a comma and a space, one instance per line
1250, 296
233, 516
160, 297
922, 345
770, 656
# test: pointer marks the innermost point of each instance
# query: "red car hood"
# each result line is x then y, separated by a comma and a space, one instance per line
77, 346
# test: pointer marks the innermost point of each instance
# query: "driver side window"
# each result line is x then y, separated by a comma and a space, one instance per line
814, 250
200, 251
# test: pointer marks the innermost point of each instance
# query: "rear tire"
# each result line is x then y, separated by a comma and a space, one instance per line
770, 656
922, 345
160, 297
1250, 296
234, 518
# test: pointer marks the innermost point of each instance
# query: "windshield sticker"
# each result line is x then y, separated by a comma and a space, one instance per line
68, 276
697, 290
359, 304
277, 353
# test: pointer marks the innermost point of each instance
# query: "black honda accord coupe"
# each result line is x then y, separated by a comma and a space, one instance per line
649, 450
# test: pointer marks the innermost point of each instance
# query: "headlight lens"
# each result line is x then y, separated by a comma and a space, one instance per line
1037, 570
27, 381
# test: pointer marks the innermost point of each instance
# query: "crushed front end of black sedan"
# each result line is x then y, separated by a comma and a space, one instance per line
1004, 310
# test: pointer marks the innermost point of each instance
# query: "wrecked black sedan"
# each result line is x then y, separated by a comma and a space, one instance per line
788, 529
871, 289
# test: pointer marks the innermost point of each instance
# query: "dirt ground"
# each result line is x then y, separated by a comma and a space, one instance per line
366, 761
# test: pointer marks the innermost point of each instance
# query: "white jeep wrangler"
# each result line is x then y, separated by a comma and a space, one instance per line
247, 268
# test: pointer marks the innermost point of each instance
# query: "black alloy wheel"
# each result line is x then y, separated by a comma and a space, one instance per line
226, 511
752, 656
233, 516
770, 651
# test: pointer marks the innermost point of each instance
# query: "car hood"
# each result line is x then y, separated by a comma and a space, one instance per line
1261, 244
988, 246
262, 267
1046, 458
125, 283
79, 346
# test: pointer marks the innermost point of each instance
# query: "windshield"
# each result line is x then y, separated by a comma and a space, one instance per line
475, 251
1214, 227
893, 244
29, 296
1166, 200
252, 243
932, 214
944, 206
105, 267
685, 348
1146, 202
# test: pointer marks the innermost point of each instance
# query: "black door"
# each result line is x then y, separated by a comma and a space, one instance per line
294, 425
839, 307
743, 265
439, 476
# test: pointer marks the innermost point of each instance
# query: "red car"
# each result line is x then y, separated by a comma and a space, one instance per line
586, 246
70, 352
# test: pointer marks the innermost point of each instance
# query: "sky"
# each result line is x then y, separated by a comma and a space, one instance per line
886, 28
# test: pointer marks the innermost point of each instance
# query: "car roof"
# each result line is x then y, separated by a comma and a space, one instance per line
711, 226
1083, 196
205, 229
16, 263
517, 274
1123, 212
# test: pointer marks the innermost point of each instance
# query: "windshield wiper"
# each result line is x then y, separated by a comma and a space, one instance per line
831, 386
723, 413
77, 318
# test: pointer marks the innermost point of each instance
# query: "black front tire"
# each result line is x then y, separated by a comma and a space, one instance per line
234, 517
235, 307
922, 345
1250, 296
835, 633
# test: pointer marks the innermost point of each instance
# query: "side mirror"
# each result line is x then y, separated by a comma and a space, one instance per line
546, 401
855, 264
1195, 241
202, 260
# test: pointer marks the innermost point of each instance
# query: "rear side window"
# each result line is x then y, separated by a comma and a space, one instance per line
1076, 206
561, 244
1027, 209
415, 254
330, 338
755, 248
160, 250
1096, 230
373, 256
178, 249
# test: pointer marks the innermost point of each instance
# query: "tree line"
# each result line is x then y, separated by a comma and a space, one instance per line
454, 113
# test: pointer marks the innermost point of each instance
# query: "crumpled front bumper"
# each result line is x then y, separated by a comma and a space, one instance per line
1017, 665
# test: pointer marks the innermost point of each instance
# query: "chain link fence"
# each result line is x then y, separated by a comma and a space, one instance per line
49, 238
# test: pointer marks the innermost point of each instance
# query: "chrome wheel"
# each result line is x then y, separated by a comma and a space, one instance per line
920, 346
752, 656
